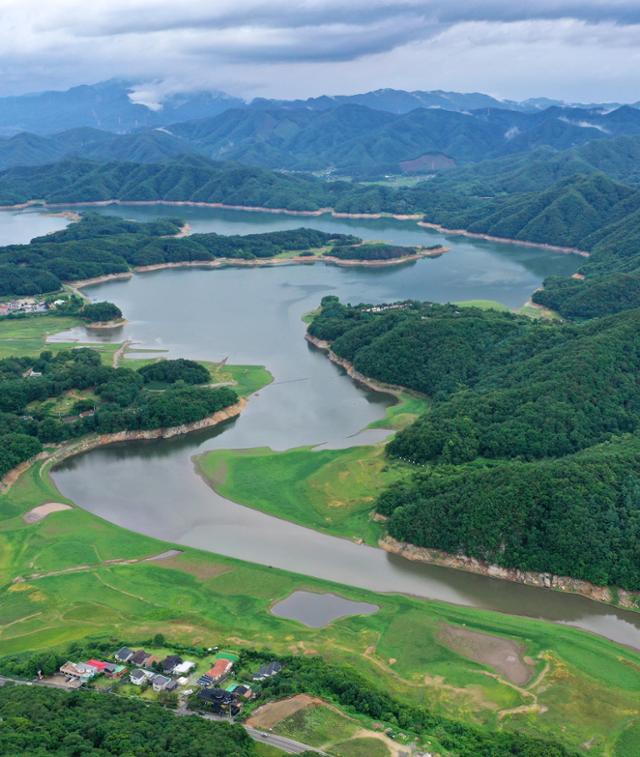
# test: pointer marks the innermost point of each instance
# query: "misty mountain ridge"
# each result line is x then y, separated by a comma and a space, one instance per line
118, 105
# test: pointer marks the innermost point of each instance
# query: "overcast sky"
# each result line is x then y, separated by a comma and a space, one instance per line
587, 50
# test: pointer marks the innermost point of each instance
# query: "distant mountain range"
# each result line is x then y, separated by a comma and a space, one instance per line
348, 140
108, 106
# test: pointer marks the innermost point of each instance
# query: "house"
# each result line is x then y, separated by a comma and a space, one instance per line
114, 671
184, 668
139, 677
170, 663
266, 671
98, 665
204, 680
171, 686
182, 681
217, 699
124, 654
160, 682
151, 660
139, 658
220, 670
80, 670
243, 691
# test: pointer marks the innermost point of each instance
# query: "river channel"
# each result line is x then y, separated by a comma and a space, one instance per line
254, 316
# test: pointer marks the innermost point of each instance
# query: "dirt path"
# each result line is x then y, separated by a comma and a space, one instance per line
167, 554
119, 354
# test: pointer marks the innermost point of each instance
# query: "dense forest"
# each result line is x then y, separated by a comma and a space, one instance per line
513, 401
370, 251
99, 245
39, 721
96, 312
345, 686
106, 399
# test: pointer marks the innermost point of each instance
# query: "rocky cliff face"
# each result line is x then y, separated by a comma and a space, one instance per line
609, 595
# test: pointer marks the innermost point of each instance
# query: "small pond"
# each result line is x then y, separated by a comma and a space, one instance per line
318, 610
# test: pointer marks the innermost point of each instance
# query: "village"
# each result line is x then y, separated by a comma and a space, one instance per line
28, 305
209, 686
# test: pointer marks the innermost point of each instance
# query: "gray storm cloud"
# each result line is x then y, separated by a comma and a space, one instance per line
276, 47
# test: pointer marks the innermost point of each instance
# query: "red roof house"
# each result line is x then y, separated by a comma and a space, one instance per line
98, 664
220, 670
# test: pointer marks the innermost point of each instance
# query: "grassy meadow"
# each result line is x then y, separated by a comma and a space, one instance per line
327, 490
584, 688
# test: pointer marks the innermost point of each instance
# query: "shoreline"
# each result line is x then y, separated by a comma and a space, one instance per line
98, 325
604, 594
79, 446
376, 386
253, 263
503, 240
418, 217
608, 595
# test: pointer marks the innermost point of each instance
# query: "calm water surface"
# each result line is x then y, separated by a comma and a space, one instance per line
253, 316
318, 610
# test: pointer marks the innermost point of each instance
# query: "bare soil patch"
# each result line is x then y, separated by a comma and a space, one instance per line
272, 713
504, 655
40, 512
199, 569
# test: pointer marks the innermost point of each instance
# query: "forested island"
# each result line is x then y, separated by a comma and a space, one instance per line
56, 398
528, 456
99, 245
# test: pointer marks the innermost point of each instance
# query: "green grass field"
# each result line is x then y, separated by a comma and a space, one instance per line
403, 413
27, 336
328, 490
588, 689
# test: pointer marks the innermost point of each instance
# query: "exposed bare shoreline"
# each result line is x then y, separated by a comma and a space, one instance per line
253, 263
99, 325
319, 212
604, 594
71, 449
503, 240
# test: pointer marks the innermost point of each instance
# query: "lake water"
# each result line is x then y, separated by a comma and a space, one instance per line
20, 226
318, 610
254, 316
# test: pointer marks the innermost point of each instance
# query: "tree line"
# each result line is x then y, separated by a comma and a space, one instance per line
98, 245
119, 399
528, 456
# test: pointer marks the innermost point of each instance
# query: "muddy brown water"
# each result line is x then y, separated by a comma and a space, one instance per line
254, 316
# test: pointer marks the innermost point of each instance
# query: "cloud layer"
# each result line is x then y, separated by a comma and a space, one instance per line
577, 49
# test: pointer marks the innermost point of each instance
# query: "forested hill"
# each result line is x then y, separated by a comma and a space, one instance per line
589, 211
98, 245
187, 178
38, 721
506, 389
112, 399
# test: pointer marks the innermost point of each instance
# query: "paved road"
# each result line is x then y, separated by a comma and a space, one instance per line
286, 745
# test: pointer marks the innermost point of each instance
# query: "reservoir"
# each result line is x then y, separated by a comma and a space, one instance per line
254, 316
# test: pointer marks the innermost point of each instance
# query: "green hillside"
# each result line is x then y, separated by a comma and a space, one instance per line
505, 390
